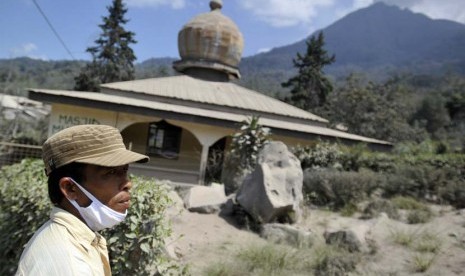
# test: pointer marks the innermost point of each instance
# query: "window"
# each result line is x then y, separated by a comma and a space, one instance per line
164, 140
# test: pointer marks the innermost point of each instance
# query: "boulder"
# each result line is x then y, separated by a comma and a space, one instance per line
273, 191
227, 209
176, 207
287, 234
232, 177
205, 199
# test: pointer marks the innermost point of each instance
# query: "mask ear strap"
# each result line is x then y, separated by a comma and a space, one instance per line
89, 195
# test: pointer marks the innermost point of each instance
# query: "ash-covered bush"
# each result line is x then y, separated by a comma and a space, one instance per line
135, 246
24, 207
410, 181
378, 206
419, 215
425, 182
453, 193
319, 155
358, 158
241, 159
336, 189
334, 261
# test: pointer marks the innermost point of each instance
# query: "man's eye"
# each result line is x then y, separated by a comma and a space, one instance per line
117, 171
112, 171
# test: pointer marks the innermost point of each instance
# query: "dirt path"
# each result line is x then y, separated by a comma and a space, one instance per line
204, 239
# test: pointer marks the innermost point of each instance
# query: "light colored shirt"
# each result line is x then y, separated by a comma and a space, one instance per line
64, 245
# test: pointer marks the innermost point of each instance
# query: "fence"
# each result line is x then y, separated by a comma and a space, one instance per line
11, 153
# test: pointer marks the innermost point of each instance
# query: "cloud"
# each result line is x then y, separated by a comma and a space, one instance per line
26, 50
450, 9
279, 13
175, 4
263, 50
356, 4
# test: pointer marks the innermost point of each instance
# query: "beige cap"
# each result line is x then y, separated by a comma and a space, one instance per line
90, 144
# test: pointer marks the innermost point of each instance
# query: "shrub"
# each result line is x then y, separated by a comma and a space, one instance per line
453, 193
407, 203
135, 246
420, 182
245, 146
419, 216
337, 189
334, 261
24, 207
418, 212
319, 155
376, 207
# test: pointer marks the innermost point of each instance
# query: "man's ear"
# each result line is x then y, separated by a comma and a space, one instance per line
68, 188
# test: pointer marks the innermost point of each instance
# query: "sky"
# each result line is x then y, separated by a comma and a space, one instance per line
264, 24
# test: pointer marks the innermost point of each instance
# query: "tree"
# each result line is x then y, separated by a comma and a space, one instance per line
112, 57
434, 113
379, 111
310, 87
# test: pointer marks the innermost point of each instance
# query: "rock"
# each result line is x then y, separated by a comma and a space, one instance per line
344, 239
205, 199
273, 191
287, 234
232, 178
176, 207
227, 209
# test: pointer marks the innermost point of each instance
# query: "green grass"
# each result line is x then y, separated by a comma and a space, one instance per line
221, 269
428, 243
279, 260
418, 212
403, 237
331, 260
407, 203
422, 262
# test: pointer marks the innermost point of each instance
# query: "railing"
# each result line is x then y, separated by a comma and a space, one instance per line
11, 153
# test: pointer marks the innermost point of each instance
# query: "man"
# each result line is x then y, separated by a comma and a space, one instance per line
88, 184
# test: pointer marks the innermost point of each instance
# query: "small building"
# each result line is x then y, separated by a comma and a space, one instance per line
180, 120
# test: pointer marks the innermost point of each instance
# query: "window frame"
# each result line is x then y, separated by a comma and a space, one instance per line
163, 140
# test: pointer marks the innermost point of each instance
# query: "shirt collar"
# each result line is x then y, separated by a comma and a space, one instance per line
77, 228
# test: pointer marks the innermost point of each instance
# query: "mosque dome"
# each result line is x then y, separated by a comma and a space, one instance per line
210, 41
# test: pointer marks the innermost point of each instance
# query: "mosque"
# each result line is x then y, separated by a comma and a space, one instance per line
179, 121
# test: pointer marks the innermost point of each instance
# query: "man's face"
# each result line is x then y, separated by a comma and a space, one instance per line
110, 185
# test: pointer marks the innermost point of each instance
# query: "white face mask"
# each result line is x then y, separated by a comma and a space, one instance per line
97, 215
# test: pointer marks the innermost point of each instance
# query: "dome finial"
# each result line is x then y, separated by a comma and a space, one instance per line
216, 5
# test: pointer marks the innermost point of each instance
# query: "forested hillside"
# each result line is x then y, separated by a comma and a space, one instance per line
16, 75
400, 75
379, 41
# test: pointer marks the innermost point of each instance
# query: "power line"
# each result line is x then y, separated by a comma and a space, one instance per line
53, 29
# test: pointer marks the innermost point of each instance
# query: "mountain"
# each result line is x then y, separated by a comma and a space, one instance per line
379, 38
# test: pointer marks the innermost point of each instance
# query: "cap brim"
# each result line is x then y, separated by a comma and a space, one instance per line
115, 158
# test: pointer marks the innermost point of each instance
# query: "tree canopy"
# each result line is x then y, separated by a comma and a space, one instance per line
310, 87
112, 56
